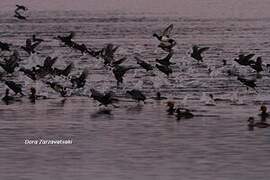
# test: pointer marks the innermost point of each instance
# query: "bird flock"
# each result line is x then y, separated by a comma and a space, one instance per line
47, 73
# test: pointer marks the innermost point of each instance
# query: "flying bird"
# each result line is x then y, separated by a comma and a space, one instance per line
197, 52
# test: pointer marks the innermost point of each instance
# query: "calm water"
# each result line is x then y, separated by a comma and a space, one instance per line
138, 141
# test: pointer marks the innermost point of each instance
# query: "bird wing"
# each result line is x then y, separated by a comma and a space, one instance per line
168, 57
167, 32
201, 50
28, 43
71, 35
249, 56
84, 74
195, 48
48, 62
35, 45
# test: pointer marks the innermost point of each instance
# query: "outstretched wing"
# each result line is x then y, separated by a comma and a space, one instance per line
167, 32
35, 44
28, 43
49, 62
201, 50
71, 35
249, 56
195, 48
84, 74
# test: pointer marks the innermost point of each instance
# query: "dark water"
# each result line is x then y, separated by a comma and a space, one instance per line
139, 141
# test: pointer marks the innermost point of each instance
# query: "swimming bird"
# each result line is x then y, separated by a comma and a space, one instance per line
166, 60
136, 95
7, 99
171, 108
58, 88
4, 46
29, 46
143, 64
104, 98
183, 113
119, 72
244, 59
63, 72
79, 82
248, 82
35, 39
16, 88
33, 95
256, 65
21, 7
165, 69
197, 53
159, 97
264, 114
252, 124
165, 35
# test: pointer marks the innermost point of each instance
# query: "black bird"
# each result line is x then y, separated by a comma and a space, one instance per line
165, 69
252, 124
47, 64
21, 7
7, 99
63, 72
19, 16
67, 39
248, 82
35, 39
16, 88
29, 46
58, 88
79, 82
144, 65
137, 95
244, 59
118, 62
94, 53
9, 65
183, 113
105, 99
197, 53
264, 115
165, 35
167, 45
171, 108
33, 95
107, 53
29, 73
15, 57
80, 47
159, 97
257, 65
4, 46
166, 61
119, 72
